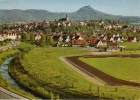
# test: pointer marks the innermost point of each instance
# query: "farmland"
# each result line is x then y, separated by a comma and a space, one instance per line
122, 68
46, 67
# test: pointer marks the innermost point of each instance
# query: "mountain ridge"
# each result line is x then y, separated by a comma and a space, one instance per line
84, 13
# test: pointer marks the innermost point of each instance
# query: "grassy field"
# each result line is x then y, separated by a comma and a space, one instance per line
45, 63
130, 45
122, 68
5, 54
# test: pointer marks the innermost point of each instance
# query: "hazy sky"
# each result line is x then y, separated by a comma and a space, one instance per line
116, 7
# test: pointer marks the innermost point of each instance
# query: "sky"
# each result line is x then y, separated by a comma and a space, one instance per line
115, 7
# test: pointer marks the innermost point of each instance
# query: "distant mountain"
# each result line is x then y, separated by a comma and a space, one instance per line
86, 9
84, 13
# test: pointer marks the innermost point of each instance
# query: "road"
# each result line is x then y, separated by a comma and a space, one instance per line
5, 94
13, 44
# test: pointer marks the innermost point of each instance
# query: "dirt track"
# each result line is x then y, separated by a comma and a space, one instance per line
105, 77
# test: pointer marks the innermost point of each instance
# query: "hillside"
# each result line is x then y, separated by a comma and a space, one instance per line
84, 13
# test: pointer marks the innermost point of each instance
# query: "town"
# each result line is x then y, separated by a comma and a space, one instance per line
103, 34
53, 50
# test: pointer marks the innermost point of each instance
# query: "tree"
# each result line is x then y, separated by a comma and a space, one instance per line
43, 40
47, 30
49, 40
32, 36
24, 36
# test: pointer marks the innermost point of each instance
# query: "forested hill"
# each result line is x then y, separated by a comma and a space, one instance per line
84, 13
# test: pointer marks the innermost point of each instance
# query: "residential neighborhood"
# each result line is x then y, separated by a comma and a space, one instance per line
67, 35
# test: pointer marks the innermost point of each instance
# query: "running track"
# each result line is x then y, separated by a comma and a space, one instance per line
105, 77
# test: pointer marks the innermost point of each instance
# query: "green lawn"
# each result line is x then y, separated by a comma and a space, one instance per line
130, 45
122, 68
45, 63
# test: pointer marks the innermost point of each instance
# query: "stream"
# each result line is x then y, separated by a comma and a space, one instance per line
5, 74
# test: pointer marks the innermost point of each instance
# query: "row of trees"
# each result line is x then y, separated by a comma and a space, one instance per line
44, 41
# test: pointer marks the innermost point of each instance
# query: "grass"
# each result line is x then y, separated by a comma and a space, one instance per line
122, 68
45, 63
3, 82
6, 43
130, 48
130, 45
5, 54
25, 45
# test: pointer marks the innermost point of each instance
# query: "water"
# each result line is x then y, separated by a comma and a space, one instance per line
6, 75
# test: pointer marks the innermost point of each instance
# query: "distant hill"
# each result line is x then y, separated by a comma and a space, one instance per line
87, 9
84, 13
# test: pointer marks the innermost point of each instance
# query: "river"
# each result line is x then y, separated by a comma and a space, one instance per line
5, 74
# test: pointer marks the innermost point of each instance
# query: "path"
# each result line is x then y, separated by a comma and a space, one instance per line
13, 44
5, 94
92, 79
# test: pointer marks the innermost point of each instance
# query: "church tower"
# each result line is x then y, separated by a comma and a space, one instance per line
67, 17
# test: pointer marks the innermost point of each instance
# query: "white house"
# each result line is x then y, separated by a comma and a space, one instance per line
112, 39
98, 43
37, 37
1, 38
11, 36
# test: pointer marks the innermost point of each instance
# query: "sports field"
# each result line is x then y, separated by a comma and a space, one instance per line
122, 68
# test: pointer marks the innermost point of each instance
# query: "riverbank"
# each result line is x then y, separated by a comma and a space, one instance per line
4, 84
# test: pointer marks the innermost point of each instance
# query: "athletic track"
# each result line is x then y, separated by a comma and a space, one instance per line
110, 80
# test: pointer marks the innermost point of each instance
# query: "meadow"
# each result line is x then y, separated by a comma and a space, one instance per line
44, 64
122, 68
130, 45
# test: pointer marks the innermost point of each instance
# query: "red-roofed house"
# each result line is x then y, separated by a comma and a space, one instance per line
98, 43
57, 38
132, 39
77, 43
113, 46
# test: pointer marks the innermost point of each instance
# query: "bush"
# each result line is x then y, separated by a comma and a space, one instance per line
1, 51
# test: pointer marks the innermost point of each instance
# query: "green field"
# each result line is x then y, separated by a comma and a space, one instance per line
130, 45
122, 68
45, 65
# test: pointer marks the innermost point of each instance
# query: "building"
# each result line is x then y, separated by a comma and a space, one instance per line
64, 19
